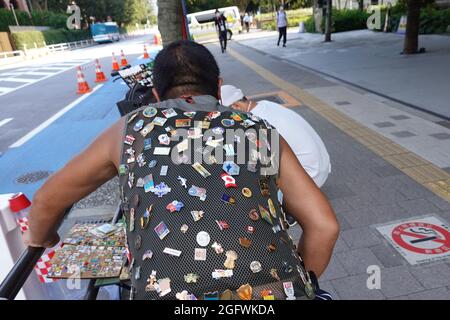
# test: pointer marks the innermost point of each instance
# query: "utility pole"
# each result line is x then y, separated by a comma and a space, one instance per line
328, 22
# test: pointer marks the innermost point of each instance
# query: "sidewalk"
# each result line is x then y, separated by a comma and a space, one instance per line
365, 188
372, 61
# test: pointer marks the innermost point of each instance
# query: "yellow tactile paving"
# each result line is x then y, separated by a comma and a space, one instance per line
288, 100
417, 168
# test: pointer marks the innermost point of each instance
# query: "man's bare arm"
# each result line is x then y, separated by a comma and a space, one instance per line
303, 200
81, 176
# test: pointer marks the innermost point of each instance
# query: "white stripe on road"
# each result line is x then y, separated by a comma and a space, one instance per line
5, 121
49, 121
37, 73
17, 80
5, 90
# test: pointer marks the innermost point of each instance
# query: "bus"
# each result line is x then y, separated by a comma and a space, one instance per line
202, 26
105, 32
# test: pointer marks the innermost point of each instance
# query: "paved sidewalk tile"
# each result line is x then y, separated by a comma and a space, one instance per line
355, 288
388, 256
335, 270
433, 276
398, 281
356, 261
435, 294
360, 237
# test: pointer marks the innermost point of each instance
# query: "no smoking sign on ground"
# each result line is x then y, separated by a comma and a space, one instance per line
419, 240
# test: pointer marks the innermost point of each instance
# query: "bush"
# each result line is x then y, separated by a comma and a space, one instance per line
347, 20
48, 18
7, 19
50, 37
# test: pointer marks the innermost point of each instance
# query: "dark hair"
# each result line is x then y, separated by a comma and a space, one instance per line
185, 67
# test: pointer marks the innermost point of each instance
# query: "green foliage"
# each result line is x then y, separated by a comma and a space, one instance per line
347, 20
7, 19
53, 36
49, 18
268, 22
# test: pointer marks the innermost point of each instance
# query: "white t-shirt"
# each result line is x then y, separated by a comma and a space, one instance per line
301, 137
281, 19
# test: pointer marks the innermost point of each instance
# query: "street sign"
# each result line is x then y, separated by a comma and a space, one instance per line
419, 240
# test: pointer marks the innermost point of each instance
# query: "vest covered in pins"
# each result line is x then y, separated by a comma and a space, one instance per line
199, 197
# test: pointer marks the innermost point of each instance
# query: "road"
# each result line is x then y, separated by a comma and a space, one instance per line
43, 122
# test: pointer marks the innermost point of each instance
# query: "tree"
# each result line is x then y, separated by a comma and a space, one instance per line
170, 20
328, 21
411, 44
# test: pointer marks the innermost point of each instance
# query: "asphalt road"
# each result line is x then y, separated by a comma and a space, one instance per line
33, 92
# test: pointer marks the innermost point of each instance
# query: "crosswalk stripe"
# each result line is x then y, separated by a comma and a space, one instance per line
5, 121
17, 80
38, 73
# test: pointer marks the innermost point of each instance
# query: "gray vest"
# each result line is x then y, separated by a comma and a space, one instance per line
202, 215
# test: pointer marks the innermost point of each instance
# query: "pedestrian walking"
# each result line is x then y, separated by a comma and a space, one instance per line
282, 26
221, 27
247, 22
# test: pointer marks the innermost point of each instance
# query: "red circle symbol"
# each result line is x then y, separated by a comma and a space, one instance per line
422, 237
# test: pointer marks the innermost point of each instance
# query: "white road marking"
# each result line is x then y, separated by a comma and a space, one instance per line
4, 90
17, 80
5, 121
53, 118
37, 73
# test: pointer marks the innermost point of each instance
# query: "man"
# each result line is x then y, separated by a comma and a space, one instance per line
282, 26
221, 27
298, 133
181, 84
247, 22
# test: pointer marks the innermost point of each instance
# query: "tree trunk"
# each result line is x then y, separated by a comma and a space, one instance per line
328, 22
170, 20
411, 44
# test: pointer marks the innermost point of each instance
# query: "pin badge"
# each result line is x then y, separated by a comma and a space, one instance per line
267, 294
265, 214
231, 258
200, 254
149, 112
148, 183
217, 247
141, 160
197, 215
183, 181
246, 192
271, 247
137, 242
226, 295
229, 150
140, 183
137, 273
251, 167
132, 217
254, 215
175, 206
147, 255
214, 143
152, 163
245, 242
195, 191
169, 113
250, 229
248, 123
264, 187
172, 252
288, 288
161, 230
274, 274
182, 146
287, 268
138, 125
220, 273
231, 168
191, 278
230, 182
203, 238
202, 124
132, 117
200, 169
211, 295
159, 121
163, 287
194, 133
131, 179
228, 199
245, 292
185, 295
222, 224
182, 123
276, 228
163, 171
212, 115
190, 114
227, 122
218, 130
161, 190
152, 282
129, 140
255, 266
272, 209
184, 228
164, 139
147, 129
123, 169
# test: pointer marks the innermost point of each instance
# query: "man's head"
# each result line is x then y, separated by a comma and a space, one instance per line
234, 98
217, 13
185, 68
281, 8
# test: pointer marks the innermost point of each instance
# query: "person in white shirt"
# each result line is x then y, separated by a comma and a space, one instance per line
298, 133
247, 22
282, 26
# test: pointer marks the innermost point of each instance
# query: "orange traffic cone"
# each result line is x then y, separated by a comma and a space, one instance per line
83, 86
100, 76
123, 61
115, 64
146, 55
155, 39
